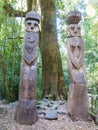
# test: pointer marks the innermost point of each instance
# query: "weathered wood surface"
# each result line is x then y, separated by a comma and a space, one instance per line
30, 47
76, 60
77, 96
26, 112
77, 102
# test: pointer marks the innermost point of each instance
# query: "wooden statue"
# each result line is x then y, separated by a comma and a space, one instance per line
26, 112
77, 97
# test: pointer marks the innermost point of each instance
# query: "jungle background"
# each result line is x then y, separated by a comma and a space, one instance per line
52, 75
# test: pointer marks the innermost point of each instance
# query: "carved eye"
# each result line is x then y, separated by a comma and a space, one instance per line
28, 37
29, 24
73, 47
72, 28
35, 25
79, 47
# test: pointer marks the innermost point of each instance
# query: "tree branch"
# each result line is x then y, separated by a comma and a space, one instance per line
12, 12
17, 13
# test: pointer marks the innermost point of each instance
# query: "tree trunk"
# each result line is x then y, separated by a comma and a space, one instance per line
29, 5
52, 76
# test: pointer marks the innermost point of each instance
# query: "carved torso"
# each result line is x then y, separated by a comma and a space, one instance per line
30, 47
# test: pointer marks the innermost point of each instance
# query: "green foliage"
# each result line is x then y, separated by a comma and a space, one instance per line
10, 52
39, 77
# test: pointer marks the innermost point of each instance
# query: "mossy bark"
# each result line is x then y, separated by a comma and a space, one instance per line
53, 79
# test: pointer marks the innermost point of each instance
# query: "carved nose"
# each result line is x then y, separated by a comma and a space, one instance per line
75, 30
32, 28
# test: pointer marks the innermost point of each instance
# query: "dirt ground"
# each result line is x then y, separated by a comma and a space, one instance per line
62, 123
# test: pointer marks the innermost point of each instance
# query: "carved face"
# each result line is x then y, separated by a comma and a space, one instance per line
32, 26
74, 30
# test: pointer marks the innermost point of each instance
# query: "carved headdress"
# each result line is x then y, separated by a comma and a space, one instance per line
32, 16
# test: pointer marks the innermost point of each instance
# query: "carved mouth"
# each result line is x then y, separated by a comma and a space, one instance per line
30, 41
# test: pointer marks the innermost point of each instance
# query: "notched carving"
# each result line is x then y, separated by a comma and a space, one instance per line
30, 49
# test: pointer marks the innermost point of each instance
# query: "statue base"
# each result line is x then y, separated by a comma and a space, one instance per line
77, 102
26, 113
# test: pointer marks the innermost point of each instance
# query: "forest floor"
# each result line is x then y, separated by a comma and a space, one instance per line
7, 122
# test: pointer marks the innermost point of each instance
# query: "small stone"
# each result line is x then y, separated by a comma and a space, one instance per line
14, 128
53, 102
90, 117
55, 106
4, 101
60, 102
1, 102
1, 110
44, 107
44, 103
60, 111
50, 105
79, 128
3, 128
51, 115
41, 112
41, 116
38, 106
14, 104
45, 100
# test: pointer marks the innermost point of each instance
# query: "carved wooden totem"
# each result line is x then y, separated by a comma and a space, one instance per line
77, 97
26, 112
